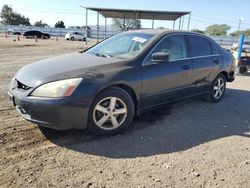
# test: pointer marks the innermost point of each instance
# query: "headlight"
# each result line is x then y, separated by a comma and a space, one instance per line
62, 88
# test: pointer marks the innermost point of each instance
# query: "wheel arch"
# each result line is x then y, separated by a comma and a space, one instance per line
223, 73
126, 88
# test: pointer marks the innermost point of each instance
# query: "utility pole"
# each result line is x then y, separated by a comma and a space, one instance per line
240, 20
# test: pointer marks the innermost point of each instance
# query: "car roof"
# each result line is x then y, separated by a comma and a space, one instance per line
163, 32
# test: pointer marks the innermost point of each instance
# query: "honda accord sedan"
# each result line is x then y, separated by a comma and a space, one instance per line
105, 86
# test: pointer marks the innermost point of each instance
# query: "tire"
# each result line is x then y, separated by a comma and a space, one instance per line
72, 38
217, 89
243, 69
110, 118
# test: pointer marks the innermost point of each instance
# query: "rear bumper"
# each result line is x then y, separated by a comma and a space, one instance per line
61, 114
231, 77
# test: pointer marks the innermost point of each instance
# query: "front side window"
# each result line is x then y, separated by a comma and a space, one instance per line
199, 46
174, 45
124, 46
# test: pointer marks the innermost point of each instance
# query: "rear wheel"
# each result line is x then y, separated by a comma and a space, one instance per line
111, 112
217, 89
72, 38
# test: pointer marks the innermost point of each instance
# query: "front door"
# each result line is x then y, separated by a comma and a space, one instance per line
165, 81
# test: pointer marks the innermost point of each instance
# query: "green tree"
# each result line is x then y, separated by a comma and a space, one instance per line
198, 31
129, 24
10, 17
40, 24
247, 32
59, 24
218, 30
238, 33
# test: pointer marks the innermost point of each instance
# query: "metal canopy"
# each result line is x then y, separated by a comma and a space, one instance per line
136, 14
139, 14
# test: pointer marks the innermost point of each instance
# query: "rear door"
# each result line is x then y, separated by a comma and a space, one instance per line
206, 61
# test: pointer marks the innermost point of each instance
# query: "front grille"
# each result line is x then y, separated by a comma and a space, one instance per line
22, 86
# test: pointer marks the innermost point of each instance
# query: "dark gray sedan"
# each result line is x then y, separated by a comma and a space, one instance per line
103, 87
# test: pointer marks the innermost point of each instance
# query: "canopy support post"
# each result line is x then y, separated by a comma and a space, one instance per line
124, 17
86, 29
97, 27
105, 35
180, 23
153, 22
189, 19
173, 24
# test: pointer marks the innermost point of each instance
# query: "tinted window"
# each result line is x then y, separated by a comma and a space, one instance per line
214, 50
199, 46
175, 46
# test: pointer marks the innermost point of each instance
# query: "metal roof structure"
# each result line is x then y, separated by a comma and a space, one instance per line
138, 14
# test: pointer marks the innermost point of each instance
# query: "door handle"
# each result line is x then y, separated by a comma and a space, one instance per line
186, 66
216, 61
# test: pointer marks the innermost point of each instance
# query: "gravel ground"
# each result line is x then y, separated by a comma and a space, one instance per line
191, 143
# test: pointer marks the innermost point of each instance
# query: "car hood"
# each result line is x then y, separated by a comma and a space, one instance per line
61, 67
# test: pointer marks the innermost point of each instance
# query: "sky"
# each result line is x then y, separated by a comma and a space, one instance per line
204, 12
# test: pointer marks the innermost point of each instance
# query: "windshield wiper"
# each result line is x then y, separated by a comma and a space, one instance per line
102, 55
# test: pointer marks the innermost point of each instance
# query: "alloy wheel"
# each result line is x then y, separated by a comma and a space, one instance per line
110, 113
219, 88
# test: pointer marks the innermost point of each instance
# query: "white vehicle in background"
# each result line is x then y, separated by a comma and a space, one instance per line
75, 36
245, 48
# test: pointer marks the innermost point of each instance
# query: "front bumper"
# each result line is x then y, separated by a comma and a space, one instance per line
61, 113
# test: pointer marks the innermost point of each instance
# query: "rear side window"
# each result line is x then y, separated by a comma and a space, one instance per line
214, 50
199, 46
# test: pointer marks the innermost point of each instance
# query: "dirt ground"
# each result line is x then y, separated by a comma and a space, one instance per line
187, 144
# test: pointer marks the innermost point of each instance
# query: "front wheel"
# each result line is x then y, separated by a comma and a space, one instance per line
217, 89
111, 112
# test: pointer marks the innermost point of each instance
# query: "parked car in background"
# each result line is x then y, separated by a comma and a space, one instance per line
105, 86
35, 33
245, 48
75, 36
12, 32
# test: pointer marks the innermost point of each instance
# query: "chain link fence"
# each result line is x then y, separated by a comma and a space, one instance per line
224, 41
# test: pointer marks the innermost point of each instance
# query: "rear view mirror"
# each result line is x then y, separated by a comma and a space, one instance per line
160, 57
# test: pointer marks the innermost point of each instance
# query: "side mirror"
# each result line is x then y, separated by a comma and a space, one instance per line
160, 57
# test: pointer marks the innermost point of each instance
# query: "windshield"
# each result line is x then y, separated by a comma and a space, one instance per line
125, 46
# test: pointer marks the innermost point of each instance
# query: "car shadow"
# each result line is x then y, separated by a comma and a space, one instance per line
246, 74
174, 128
